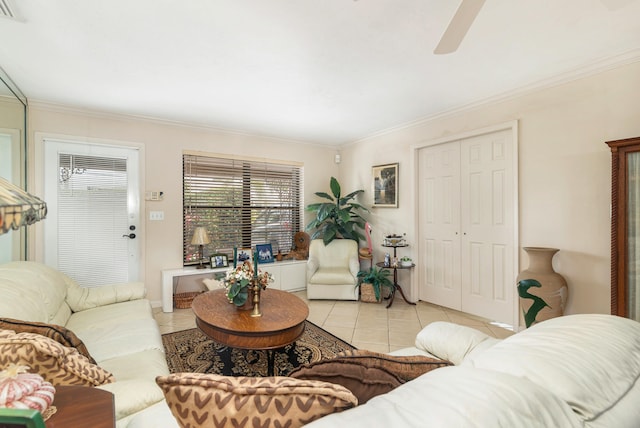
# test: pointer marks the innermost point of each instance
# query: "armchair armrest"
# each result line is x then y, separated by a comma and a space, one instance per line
354, 265
80, 299
312, 266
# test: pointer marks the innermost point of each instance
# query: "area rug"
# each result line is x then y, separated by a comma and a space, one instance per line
193, 351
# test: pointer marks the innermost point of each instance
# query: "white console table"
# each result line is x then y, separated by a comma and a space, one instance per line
288, 275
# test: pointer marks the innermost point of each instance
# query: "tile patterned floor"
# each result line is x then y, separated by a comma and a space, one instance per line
365, 325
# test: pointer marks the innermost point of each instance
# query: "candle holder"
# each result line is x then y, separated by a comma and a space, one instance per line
255, 291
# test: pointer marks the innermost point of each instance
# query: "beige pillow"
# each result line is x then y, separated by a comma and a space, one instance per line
404, 367
212, 400
57, 364
60, 334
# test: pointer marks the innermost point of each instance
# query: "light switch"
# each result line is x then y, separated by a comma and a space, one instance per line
156, 215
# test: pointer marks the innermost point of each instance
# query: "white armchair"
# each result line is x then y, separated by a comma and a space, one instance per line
332, 270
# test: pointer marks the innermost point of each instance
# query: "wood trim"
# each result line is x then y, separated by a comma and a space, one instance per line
620, 149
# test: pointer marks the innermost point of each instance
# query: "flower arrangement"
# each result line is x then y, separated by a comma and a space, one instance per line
238, 280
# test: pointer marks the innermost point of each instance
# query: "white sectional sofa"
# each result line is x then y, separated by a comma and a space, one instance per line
114, 322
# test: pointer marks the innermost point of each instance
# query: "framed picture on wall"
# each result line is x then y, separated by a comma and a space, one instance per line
385, 185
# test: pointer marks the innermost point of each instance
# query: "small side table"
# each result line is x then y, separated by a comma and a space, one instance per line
395, 268
82, 406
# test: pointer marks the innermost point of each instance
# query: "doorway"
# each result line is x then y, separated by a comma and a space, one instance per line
467, 223
92, 229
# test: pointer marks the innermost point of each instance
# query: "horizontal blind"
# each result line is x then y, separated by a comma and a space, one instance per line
241, 203
92, 213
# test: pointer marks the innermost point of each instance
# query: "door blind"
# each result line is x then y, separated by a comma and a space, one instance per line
241, 203
92, 215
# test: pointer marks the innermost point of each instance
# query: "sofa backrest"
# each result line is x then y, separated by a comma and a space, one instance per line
33, 292
337, 254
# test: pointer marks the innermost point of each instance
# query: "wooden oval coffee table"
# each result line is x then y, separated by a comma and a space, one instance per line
281, 323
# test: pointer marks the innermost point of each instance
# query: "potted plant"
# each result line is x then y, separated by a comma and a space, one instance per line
372, 282
406, 261
338, 218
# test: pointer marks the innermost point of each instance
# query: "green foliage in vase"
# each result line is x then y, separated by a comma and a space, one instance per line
538, 303
338, 218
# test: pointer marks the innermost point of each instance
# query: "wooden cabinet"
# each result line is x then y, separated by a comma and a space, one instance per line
625, 227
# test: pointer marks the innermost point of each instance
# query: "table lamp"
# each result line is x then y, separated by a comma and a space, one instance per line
200, 238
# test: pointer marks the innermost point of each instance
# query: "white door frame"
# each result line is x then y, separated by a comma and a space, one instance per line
39, 161
414, 161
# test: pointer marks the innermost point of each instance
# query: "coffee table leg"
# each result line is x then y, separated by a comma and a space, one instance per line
270, 362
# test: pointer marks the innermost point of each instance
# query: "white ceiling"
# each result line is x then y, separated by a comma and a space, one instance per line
323, 71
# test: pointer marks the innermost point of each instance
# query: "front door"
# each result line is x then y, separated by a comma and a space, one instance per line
92, 192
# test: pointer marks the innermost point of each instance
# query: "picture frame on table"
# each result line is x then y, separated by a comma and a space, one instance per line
265, 253
384, 184
219, 260
242, 255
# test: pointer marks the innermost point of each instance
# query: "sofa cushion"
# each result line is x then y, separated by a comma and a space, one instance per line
452, 342
213, 400
332, 276
404, 367
460, 397
60, 334
591, 361
363, 380
57, 364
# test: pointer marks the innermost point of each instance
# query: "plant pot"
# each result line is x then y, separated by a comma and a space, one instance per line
248, 305
367, 294
542, 291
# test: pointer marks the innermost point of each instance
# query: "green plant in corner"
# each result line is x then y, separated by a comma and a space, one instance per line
339, 218
378, 278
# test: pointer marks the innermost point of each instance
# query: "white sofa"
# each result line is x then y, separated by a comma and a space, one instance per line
572, 371
115, 323
332, 270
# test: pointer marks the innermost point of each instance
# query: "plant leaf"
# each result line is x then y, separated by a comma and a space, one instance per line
335, 187
324, 195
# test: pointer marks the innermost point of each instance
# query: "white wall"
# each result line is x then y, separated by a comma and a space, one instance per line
161, 146
564, 172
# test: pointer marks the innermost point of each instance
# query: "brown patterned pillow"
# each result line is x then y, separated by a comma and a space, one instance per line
57, 364
363, 381
60, 334
405, 367
212, 400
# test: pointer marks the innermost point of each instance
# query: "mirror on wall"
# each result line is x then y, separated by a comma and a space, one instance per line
13, 127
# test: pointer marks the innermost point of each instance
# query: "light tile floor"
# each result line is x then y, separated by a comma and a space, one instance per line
365, 325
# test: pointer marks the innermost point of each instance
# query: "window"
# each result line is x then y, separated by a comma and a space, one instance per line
241, 203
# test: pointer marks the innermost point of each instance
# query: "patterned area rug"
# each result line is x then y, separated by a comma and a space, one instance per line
192, 351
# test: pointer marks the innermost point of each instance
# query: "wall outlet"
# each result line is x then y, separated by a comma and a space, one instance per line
156, 215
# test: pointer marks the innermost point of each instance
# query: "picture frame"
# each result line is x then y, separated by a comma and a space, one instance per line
265, 253
243, 254
219, 260
384, 185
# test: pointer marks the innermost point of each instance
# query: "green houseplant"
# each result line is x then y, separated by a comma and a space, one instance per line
338, 218
375, 278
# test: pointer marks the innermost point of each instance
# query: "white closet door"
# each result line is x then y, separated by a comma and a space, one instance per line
439, 206
466, 225
487, 215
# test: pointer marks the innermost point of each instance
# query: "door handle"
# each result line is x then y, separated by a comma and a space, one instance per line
130, 236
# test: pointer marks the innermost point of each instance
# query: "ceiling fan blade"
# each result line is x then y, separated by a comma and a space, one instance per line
458, 27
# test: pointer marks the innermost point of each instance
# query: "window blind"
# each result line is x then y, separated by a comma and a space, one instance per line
241, 203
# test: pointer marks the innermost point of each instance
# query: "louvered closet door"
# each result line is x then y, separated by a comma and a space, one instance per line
92, 229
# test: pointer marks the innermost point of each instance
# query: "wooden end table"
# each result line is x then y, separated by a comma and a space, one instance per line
82, 406
281, 323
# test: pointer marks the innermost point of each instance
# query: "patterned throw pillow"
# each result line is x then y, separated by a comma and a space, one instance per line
60, 334
405, 367
363, 381
212, 400
57, 364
